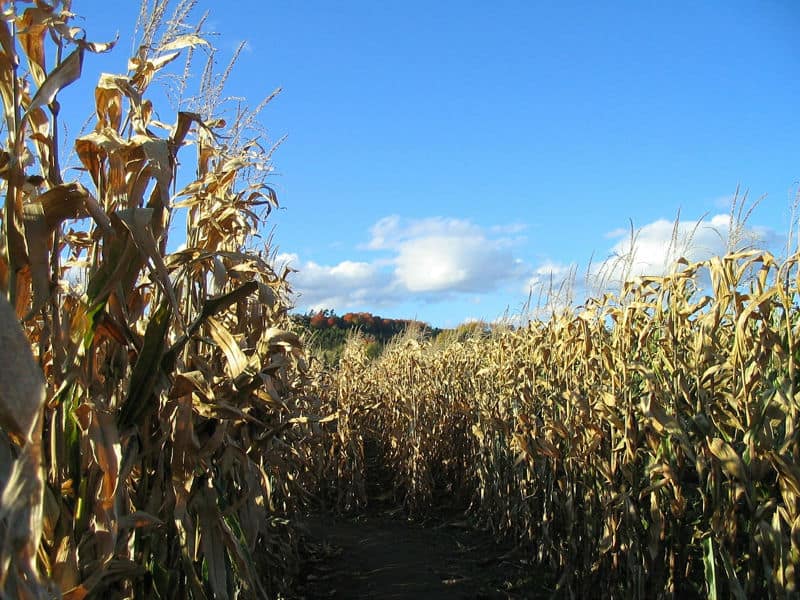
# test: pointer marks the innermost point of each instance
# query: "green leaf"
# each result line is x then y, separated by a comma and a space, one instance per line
710, 568
146, 371
734, 586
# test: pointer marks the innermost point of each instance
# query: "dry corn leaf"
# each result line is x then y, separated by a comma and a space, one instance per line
22, 391
36, 238
237, 361
731, 461
106, 449
69, 71
32, 29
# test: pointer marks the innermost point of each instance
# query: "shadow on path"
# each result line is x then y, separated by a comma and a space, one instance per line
389, 557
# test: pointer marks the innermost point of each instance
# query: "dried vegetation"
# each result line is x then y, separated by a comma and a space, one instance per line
645, 443
161, 452
154, 411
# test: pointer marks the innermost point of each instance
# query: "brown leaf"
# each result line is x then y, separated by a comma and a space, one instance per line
61, 202
31, 34
65, 569
237, 361
182, 126
20, 511
137, 221
212, 542
64, 74
37, 239
731, 462
106, 448
138, 519
8, 64
22, 391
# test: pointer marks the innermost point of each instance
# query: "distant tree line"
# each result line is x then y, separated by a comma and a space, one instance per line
329, 330
375, 326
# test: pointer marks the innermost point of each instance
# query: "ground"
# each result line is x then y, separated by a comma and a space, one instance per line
383, 555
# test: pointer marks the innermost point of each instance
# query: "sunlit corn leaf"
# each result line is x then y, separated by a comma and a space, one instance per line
731, 461
237, 361
66, 73
32, 29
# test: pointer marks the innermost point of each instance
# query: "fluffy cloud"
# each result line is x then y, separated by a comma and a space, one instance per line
654, 248
346, 284
549, 274
440, 262
444, 259
446, 255
428, 259
390, 232
650, 250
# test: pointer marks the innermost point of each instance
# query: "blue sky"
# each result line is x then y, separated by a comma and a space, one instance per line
442, 157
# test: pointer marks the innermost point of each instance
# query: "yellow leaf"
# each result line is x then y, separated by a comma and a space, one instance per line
731, 462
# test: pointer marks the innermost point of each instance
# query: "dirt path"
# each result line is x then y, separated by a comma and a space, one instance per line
388, 557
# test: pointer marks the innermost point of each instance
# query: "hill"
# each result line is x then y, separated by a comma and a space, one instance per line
329, 331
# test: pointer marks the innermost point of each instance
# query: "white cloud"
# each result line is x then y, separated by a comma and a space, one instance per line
436, 263
656, 246
341, 286
619, 231
446, 255
390, 232
429, 260
413, 261
548, 274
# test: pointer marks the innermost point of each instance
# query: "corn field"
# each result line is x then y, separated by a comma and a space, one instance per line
151, 404
645, 444
161, 426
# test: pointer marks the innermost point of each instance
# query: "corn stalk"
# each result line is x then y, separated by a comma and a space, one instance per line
645, 443
163, 453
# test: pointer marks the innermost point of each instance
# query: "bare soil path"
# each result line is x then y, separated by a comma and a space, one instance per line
385, 556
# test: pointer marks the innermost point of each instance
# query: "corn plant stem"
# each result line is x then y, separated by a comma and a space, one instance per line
10, 216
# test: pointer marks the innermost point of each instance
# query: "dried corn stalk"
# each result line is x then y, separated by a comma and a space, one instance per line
170, 441
644, 444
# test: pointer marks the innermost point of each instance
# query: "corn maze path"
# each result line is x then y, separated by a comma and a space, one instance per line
385, 556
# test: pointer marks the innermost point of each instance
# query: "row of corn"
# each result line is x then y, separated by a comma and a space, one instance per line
157, 418
645, 443
153, 428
